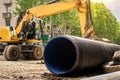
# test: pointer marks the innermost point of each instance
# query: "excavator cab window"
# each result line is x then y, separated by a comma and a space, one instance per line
31, 31
23, 31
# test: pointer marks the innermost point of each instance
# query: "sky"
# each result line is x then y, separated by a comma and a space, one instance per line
113, 5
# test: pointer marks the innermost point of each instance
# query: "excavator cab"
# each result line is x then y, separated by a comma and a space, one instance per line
31, 29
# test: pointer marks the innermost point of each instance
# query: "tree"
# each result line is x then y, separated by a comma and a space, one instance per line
118, 34
104, 22
66, 20
23, 5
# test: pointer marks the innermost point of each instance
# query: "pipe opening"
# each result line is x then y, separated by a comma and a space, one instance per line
60, 55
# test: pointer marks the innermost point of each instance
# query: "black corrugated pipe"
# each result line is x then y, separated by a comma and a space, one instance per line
67, 54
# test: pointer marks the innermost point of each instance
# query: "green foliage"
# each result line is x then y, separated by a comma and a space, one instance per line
104, 22
23, 5
66, 20
118, 34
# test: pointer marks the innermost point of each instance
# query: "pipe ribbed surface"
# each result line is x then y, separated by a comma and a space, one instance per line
67, 54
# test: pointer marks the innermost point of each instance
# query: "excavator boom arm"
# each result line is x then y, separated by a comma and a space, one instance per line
55, 8
46, 10
51, 9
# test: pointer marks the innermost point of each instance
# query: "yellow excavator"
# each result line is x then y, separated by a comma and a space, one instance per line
22, 39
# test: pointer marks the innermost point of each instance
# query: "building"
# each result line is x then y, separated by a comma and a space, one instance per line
7, 18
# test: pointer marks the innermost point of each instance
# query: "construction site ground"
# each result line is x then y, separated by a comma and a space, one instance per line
26, 70
30, 70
